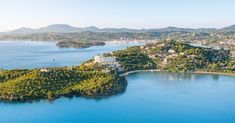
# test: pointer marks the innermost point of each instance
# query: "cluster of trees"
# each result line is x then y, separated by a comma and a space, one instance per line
7, 75
191, 58
133, 58
74, 44
62, 81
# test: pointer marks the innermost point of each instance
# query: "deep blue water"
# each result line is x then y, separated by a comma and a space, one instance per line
149, 98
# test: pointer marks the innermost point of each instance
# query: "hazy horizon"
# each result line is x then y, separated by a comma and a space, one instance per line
115, 27
134, 14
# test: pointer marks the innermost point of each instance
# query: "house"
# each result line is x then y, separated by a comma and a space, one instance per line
106, 70
165, 60
104, 60
161, 45
191, 56
233, 53
146, 48
171, 51
182, 53
174, 55
152, 56
44, 70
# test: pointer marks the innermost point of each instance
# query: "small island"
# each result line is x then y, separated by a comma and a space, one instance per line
104, 75
76, 44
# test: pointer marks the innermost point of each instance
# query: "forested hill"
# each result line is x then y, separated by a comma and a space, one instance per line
175, 57
185, 57
51, 83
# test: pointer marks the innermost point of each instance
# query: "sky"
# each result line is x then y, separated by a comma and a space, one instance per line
136, 14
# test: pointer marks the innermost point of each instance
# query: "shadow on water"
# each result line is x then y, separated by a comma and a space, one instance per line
98, 98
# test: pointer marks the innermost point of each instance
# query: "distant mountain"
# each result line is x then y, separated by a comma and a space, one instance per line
51, 28
64, 28
173, 29
57, 28
206, 29
22, 30
230, 28
90, 28
116, 30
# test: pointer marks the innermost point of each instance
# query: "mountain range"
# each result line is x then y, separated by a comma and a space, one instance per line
65, 28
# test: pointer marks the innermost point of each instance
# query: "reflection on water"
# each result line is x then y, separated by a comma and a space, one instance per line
185, 76
63, 97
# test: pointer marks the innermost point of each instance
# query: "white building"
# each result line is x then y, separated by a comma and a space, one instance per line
44, 70
233, 53
165, 60
182, 53
110, 61
171, 51
104, 60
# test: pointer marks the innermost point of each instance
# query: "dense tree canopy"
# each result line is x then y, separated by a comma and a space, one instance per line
133, 58
34, 84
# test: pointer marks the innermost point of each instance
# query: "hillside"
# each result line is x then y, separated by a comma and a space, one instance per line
229, 28
51, 83
173, 56
179, 57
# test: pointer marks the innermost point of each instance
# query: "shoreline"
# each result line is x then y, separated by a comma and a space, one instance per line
138, 71
214, 73
195, 72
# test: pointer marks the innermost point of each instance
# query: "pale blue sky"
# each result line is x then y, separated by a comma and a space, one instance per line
117, 13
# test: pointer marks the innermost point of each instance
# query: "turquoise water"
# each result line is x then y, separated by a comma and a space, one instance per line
149, 98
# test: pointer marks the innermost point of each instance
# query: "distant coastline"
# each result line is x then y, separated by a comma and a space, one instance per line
214, 73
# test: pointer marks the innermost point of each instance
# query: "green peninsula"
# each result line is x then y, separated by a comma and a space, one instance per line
52, 83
